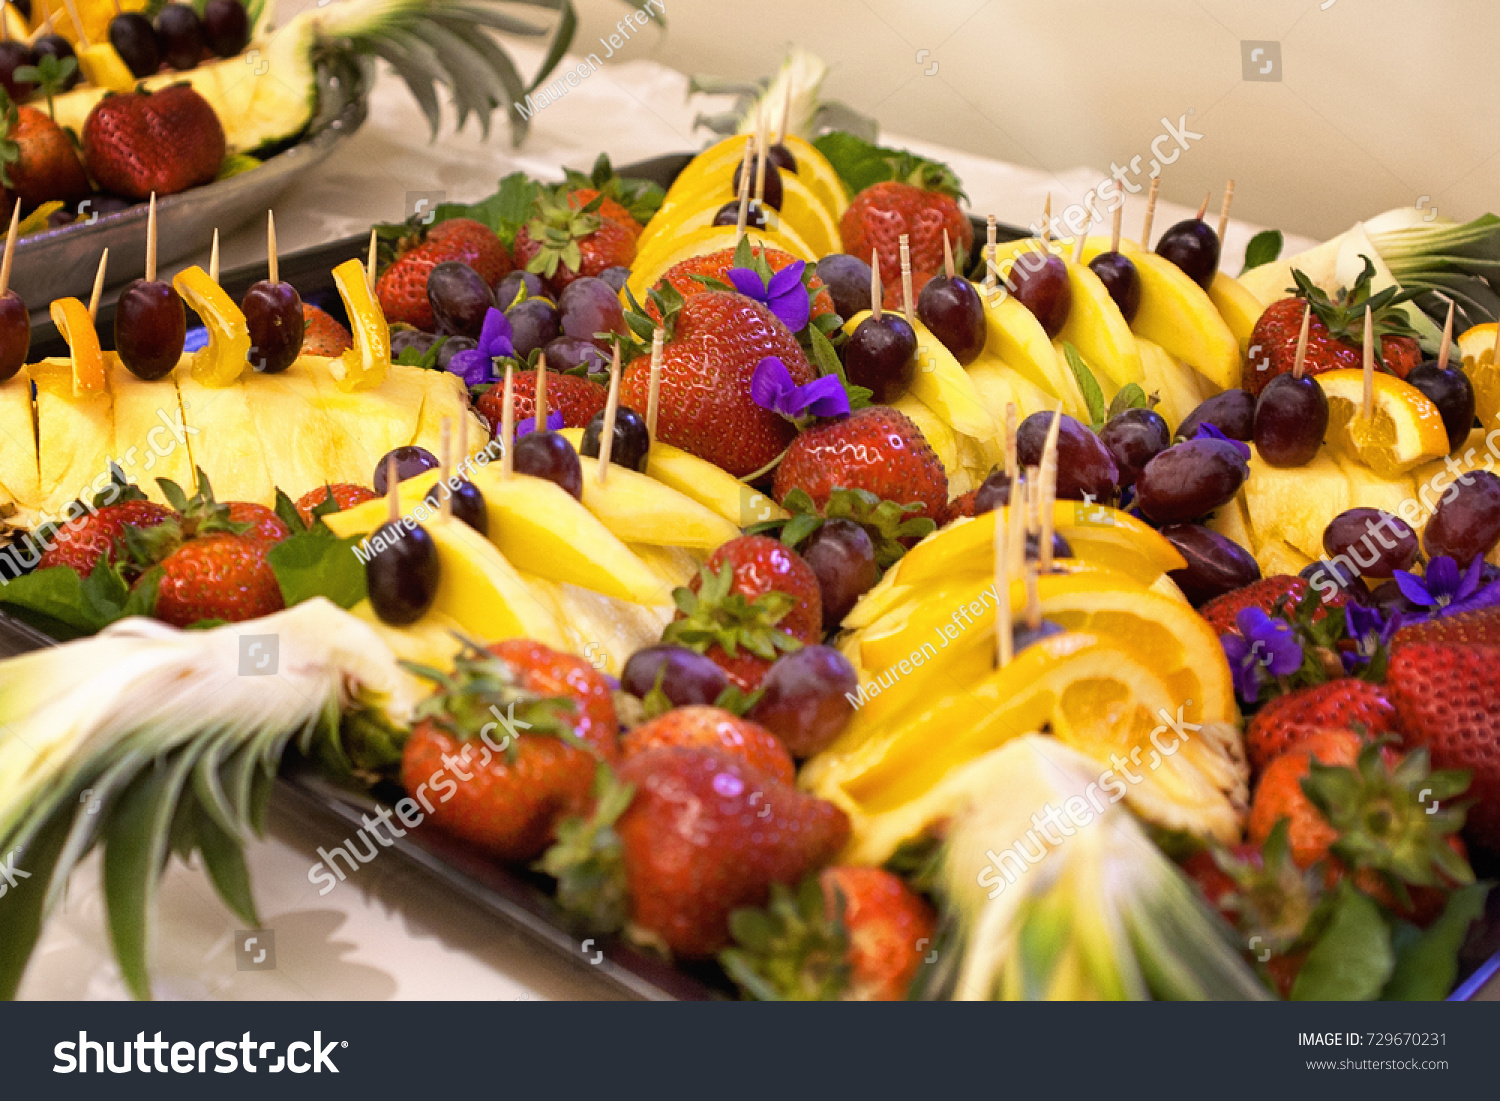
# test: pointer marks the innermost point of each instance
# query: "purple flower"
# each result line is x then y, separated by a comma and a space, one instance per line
476, 366
1263, 646
783, 293
771, 387
1208, 431
1442, 585
1369, 631
554, 423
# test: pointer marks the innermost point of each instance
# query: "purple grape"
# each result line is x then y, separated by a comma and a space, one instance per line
402, 339
509, 288
586, 307
842, 557
729, 215
468, 504
566, 352
616, 276
226, 28
781, 157
549, 455
450, 347
881, 354
134, 39
459, 297
411, 460
1373, 542
402, 578
1450, 390
1120, 278
632, 442
687, 677
14, 55
533, 323
772, 193
848, 281
1216, 564
1039, 281
1190, 479
1135, 437
1194, 247
804, 699
1231, 412
1085, 468
1291, 416
1466, 522
954, 312
180, 33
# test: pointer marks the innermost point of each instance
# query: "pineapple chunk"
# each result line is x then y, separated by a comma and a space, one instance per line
152, 436
1013, 333
444, 398
1295, 503
1098, 330
233, 458
74, 435
18, 466
482, 592
285, 408
639, 509
367, 423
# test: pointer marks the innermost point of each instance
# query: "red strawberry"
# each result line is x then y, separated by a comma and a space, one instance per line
706, 834
37, 159
881, 213
402, 287
217, 576
136, 143
578, 399
1222, 611
752, 599
717, 340
1346, 703
877, 449
1477, 628
513, 736
265, 525
80, 546
560, 243
608, 208
716, 265
345, 496
324, 335
962, 505
1448, 697
716, 729
1279, 794
1335, 335
851, 933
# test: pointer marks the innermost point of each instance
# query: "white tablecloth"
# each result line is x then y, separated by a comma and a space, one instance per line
389, 932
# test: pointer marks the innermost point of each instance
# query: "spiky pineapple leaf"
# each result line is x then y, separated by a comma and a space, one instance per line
23, 907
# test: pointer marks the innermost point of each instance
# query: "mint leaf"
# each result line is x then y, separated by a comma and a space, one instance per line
1131, 396
1092, 395
861, 164
317, 562
1353, 959
1427, 959
1263, 248
86, 604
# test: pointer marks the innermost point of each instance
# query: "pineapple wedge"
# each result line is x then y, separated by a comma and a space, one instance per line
942, 385
1294, 504
1237, 306
639, 509
285, 408
235, 460
1013, 333
604, 630
1099, 331
74, 435
18, 465
153, 437
482, 592
369, 422
1170, 381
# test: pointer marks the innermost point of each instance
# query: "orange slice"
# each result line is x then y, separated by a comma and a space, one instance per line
76, 326
224, 358
1404, 430
369, 360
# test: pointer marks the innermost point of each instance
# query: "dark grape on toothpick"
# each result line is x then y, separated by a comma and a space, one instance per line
406, 461
848, 281
402, 575
15, 322
952, 310
150, 318
16, 55
226, 28
1291, 414
454, 495
1448, 388
1118, 273
134, 39
881, 353
179, 33
273, 314
1193, 246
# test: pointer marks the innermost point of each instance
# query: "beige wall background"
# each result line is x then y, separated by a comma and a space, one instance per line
1382, 103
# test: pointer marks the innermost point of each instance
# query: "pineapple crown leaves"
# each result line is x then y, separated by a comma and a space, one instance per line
716, 615
557, 228
793, 949
640, 198
1396, 819
197, 515
887, 522
484, 692
1344, 313
587, 857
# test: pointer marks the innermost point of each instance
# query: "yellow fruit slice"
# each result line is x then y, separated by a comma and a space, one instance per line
941, 384
74, 432
648, 270
700, 480
18, 459
1229, 521
1295, 503
429, 641
1013, 333
1177, 314
813, 170
103, 67
367, 362
481, 591
1477, 346
226, 355
76, 326
1237, 306
1098, 330
1279, 557
639, 509
935, 431
1170, 381
662, 230
802, 215
1404, 430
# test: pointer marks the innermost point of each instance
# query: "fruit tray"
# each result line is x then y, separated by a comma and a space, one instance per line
59, 262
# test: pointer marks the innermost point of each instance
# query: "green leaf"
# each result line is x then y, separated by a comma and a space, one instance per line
1263, 248
1130, 396
505, 212
286, 510
85, 604
1427, 960
22, 907
318, 563
1092, 395
224, 858
1353, 959
861, 164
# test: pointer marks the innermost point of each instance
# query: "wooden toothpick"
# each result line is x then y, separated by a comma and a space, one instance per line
908, 305
151, 240
1442, 360
653, 385
760, 157
1114, 231
1203, 206
539, 416
1367, 406
445, 461
611, 410
213, 257
947, 255
273, 265
744, 213
1010, 439
370, 265
10, 246
98, 290
508, 423
1224, 209
1004, 640
1302, 343
989, 250
876, 293
1078, 244
392, 490
1047, 490
1150, 213
83, 37
1047, 218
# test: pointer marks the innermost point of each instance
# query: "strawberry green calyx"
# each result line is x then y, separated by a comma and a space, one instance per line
197, 515
640, 198
557, 228
717, 616
483, 694
1396, 821
1344, 313
1273, 899
793, 950
587, 858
